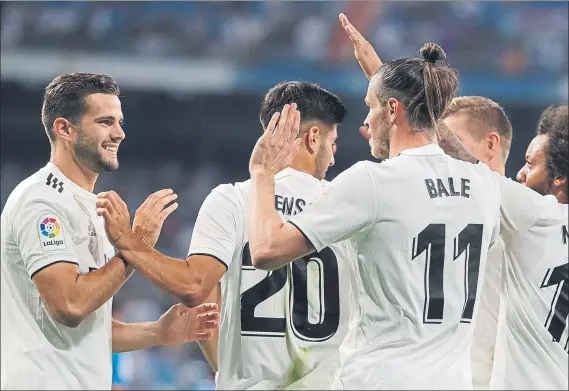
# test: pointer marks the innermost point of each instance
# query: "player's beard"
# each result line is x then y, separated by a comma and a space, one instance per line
88, 154
381, 139
322, 162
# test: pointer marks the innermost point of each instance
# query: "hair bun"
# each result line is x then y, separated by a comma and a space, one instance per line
431, 52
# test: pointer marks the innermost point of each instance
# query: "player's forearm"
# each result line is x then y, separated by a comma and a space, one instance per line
93, 289
209, 350
171, 274
134, 336
209, 346
268, 252
452, 145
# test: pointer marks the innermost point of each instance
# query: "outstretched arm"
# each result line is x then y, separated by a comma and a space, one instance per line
190, 282
272, 243
363, 51
178, 325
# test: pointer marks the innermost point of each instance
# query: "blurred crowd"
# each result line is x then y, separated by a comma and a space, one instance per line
504, 37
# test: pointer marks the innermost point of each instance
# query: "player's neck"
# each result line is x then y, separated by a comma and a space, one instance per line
302, 164
80, 175
562, 197
403, 140
497, 166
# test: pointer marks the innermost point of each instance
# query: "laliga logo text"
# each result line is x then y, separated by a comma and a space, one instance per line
50, 228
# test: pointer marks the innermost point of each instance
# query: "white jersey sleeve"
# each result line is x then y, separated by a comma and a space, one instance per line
216, 229
532, 338
347, 206
41, 231
519, 207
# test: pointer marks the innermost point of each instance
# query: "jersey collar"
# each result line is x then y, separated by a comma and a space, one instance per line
69, 184
427, 150
292, 172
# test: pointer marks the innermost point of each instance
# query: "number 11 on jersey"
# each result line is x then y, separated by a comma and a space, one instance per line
432, 241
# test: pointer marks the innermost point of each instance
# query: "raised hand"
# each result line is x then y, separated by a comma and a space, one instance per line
115, 212
363, 51
279, 144
150, 216
181, 324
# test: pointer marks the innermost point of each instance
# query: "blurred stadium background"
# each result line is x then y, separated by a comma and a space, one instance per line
192, 75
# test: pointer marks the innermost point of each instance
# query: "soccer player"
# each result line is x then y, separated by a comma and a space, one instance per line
279, 329
485, 130
421, 222
59, 270
532, 345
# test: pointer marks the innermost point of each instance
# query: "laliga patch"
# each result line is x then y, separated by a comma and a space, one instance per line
50, 231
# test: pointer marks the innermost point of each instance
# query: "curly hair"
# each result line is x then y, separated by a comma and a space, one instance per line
554, 123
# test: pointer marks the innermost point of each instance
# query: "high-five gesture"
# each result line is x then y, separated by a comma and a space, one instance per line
115, 212
279, 144
363, 51
150, 216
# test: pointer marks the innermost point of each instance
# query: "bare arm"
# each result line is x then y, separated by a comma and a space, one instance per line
189, 280
209, 346
452, 145
363, 51
70, 296
272, 243
178, 325
134, 336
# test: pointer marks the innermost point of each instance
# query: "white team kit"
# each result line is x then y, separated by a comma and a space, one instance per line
279, 329
49, 219
421, 223
532, 343
486, 326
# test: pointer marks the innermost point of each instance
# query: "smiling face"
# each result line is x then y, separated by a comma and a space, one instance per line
99, 133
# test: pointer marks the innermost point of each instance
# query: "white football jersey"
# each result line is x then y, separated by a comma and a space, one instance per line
422, 223
532, 346
49, 219
486, 325
280, 328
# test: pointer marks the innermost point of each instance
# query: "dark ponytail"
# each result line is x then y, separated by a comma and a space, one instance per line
424, 87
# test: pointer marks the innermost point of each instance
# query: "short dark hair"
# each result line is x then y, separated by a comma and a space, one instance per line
422, 86
65, 97
314, 103
554, 123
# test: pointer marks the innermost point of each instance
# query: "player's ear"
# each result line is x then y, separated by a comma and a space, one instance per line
395, 110
492, 140
312, 138
560, 183
63, 128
